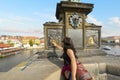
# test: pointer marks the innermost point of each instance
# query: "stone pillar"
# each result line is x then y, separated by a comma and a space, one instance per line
84, 33
72, 14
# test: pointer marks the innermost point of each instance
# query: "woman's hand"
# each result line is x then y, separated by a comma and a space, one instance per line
54, 43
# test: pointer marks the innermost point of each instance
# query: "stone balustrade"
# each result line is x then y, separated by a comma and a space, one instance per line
99, 71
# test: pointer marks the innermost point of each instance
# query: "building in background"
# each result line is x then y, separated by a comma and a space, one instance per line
29, 41
20, 41
111, 40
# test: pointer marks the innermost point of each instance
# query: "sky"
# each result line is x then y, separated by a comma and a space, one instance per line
26, 17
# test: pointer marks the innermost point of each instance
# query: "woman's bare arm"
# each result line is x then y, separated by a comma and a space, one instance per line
56, 45
73, 63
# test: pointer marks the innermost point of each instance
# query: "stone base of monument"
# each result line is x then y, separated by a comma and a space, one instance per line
80, 53
90, 52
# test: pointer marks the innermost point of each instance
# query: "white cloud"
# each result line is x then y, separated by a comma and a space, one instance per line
108, 28
21, 25
111, 28
92, 19
46, 17
1, 21
115, 21
108, 32
34, 32
13, 22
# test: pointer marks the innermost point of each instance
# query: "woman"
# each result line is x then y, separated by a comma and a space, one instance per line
69, 56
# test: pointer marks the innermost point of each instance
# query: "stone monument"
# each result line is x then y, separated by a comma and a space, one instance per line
86, 37
72, 16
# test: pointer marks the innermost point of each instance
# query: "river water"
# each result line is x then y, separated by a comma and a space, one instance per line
115, 50
9, 62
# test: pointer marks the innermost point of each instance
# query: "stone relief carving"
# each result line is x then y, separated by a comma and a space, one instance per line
92, 38
54, 34
75, 20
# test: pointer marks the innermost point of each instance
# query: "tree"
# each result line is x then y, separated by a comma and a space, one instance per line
11, 44
104, 41
30, 42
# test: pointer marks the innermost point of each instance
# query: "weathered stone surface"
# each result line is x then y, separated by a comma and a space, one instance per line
102, 76
113, 69
112, 77
102, 68
93, 70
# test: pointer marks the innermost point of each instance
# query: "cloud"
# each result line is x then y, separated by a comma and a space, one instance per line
34, 32
21, 18
92, 19
26, 24
1, 21
21, 22
109, 28
46, 16
115, 21
108, 32
21, 25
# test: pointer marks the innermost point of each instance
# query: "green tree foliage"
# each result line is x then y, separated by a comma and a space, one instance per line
31, 43
104, 41
12, 44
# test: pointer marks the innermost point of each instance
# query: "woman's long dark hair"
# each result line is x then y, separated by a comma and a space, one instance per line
68, 44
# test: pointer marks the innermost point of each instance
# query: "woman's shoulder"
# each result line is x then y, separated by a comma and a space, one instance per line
69, 51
